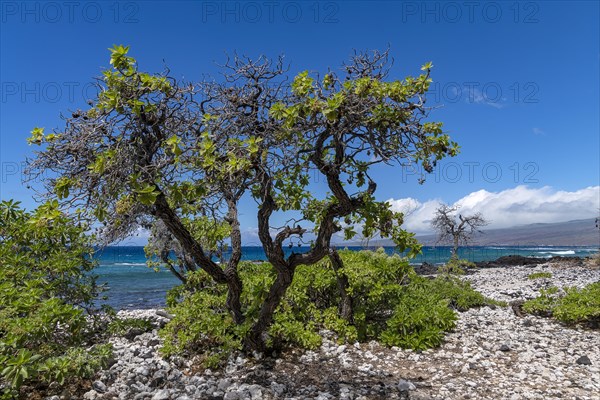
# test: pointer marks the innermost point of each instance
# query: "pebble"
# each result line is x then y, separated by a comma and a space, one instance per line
405, 386
162, 394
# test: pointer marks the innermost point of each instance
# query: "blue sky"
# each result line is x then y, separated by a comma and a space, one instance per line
517, 82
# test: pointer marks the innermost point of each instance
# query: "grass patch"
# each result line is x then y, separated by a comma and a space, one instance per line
539, 275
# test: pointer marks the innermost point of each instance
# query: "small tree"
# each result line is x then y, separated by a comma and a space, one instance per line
456, 230
155, 152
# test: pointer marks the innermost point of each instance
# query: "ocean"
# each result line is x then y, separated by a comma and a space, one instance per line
132, 285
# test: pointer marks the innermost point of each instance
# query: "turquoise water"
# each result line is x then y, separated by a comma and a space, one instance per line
133, 285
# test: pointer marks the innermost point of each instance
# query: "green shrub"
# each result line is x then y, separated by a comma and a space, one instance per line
76, 361
459, 293
544, 303
456, 266
576, 306
45, 290
539, 275
579, 306
376, 282
201, 325
391, 303
420, 320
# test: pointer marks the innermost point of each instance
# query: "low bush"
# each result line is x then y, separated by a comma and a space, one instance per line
419, 320
390, 303
46, 289
576, 306
539, 275
456, 266
459, 293
580, 306
544, 303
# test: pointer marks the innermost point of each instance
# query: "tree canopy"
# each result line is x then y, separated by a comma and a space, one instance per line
177, 158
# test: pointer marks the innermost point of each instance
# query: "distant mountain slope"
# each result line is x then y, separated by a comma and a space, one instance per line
572, 233
581, 232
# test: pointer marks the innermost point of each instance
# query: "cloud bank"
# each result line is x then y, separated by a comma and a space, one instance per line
512, 207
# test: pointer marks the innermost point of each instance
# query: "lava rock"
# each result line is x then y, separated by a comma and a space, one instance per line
99, 386
584, 360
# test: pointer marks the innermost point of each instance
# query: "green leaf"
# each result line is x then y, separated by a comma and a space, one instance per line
330, 114
118, 57
349, 233
37, 136
100, 213
173, 143
61, 187
302, 84
427, 66
147, 195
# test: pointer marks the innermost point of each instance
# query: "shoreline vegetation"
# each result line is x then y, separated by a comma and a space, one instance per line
501, 349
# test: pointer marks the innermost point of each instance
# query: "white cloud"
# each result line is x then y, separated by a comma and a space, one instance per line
476, 96
538, 131
472, 95
417, 215
517, 206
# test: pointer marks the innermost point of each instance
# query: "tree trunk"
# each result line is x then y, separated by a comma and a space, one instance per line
234, 283
346, 310
255, 340
234, 292
455, 248
228, 276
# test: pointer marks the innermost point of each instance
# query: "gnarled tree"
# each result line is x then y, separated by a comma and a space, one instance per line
456, 229
155, 152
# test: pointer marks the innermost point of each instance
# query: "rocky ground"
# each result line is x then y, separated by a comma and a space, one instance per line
492, 354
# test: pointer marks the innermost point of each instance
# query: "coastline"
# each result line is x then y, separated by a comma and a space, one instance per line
492, 354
